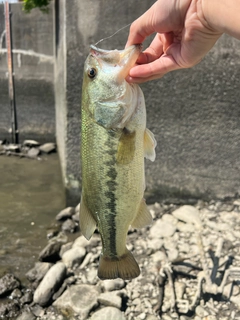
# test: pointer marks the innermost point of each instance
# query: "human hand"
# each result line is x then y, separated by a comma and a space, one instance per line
183, 38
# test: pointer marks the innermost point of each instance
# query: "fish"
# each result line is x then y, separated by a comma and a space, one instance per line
114, 142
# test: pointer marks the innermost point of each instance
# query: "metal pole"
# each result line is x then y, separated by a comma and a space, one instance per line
11, 88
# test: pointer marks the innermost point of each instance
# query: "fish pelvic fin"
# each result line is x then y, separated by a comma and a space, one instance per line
86, 220
124, 267
150, 144
143, 217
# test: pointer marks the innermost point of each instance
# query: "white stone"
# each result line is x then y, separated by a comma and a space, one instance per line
185, 227
50, 284
80, 299
111, 285
158, 256
188, 214
201, 312
110, 299
154, 244
162, 229
108, 313
74, 256
170, 218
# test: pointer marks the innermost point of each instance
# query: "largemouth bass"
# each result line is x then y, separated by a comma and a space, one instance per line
114, 143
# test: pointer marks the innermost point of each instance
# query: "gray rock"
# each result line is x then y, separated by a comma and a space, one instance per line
75, 217
236, 202
27, 297
16, 294
26, 315
188, 214
92, 276
3, 310
51, 252
33, 152
158, 257
31, 143
12, 147
201, 312
9, 309
65, 247
79, 299
83, 242
74, 256
37, 310
172, 254
38, 272
110, 299
185, 227
69, 226
109, 313
65, 213
48, 147
231, 290
162, 229
53, 231
111, 285
236, 300
151, 317
50, 284
77, 208
8, 283
88, 259
67, 282
180, 288
154, 244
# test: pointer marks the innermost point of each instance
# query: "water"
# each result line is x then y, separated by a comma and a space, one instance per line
31, 194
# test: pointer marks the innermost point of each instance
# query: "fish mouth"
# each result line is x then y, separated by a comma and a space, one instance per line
124, 59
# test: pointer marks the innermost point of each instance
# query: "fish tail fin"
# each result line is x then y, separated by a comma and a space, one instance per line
124, 267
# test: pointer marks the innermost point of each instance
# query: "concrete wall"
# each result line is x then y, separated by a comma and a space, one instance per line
194, 114
33, 50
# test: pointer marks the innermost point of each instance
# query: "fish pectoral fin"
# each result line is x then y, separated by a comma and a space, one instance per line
143, 217
124, 267
86, 221
150, 144
126, 147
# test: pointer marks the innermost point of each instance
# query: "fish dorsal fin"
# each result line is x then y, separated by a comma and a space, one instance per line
150, 144
86, 220
126, 147
143, 217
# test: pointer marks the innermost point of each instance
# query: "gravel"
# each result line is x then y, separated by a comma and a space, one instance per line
190, 269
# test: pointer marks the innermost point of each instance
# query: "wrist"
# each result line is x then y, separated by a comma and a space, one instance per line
222, 16
206, 14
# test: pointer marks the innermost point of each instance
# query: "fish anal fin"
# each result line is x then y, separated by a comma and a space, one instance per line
126, 147
86, 221
150, 144
124, 267
143, 217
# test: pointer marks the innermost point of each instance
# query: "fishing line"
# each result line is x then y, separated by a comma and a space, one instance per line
113, 34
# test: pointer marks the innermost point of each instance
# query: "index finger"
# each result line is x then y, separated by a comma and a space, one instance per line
140, 29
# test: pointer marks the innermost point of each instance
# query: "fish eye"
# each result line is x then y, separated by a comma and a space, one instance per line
92, 73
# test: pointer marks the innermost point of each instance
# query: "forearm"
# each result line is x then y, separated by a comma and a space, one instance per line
222, 15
